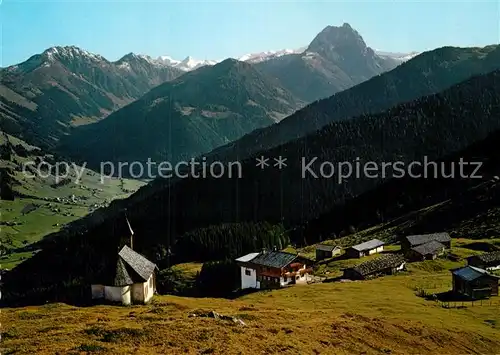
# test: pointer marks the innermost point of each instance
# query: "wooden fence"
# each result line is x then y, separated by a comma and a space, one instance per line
456, 303
492, 302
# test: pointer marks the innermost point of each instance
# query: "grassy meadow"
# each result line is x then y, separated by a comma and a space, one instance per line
382, 316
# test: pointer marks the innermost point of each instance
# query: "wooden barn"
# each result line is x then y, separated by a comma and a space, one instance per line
273, 269
367, 248
474, 282
487, 261
412, 241
324, 251
427, 251
383, 265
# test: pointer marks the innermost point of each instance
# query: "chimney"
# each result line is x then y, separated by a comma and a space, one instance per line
275, 248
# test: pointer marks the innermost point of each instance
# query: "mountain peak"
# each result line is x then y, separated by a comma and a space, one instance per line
128, 56
168, 60
230, 63
70, 52
334, 41
134, 57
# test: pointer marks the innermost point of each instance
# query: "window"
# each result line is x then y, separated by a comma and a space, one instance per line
286, 278
248, 272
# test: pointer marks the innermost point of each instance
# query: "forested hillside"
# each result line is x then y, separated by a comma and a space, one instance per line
433, 126
229, 241
465, 207
186, 117
426, 74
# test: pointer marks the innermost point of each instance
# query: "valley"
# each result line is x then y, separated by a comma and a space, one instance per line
34, 206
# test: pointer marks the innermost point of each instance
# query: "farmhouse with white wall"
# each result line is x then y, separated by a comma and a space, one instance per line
272, 269
248, 271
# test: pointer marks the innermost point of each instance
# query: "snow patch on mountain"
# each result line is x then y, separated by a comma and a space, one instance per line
168, 60
124, 65
400, 57
191, 63
263, 56
188, 64
71, 52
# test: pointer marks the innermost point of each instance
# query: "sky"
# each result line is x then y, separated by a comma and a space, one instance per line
217, 30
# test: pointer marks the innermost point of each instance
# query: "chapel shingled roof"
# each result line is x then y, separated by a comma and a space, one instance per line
128, 268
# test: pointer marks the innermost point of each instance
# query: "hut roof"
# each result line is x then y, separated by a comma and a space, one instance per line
488, 257
248, 257
415, 240
275, 259
369, 245
470, 273
379, 264
432, 247
325, 247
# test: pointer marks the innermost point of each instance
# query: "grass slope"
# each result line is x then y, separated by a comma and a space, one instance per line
382, 316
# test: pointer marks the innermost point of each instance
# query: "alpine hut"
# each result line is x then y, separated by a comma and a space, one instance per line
367, 248
474, 282
383, 265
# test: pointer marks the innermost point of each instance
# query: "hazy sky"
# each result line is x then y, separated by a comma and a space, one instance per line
216, 30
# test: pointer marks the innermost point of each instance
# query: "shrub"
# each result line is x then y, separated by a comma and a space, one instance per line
218, 278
